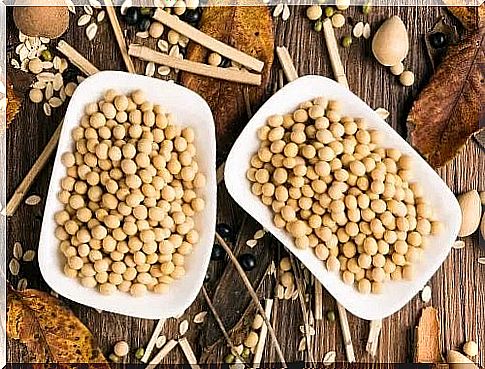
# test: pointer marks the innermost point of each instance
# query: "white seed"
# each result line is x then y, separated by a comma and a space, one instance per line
200, 317
358, 30
426, 294
91, 31
259, 234
163, 45
459, 244
14, 267
481, 260
302, 345
124, 7
278, 10
55, 102
366, 32
49, 90
164, 70
29, 255
101, 16
83, 20
150, 69
95, 4
47, 109
161, 340
174, 51
251, 243
70, 6
183, 327
286, 12
33, 200
88, 9
144, 34
382, 113
17, 250
329, 358
22, 284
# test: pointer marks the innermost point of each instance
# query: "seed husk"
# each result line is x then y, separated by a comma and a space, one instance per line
426, 294
83, 20
163, 45
29, 255
383, 113
95, 4
17, 250
101, 16
91, 31
286, 12
200, 317
366, 32
22, 284
14, 266
259, 234
183, 327
358, 30
47, 109
278, 10
88, 9
329, 358
302, 344
49, 90
251, 243
33, 200
161, 340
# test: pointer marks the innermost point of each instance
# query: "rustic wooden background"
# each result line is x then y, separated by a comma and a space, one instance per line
458, 287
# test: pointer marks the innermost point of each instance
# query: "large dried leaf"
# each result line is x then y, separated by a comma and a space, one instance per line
427, 348
471, 17
13, 103
446, 112
249, 29
51, 331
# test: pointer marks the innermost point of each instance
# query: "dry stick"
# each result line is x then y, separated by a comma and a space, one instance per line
373, 340
189, 353
344, 325
332, 48
119, 35
318, 301
240, 76
301, 298
287, 64
258, 352
221, 324
254, 297
77, 59
161, 354
153, 340
207, 41
24, 186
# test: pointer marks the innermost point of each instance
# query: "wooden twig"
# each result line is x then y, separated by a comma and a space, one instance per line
227, 74
344, 325
318, 301
115, 24
301, 297
332, 48
189, 353
254, 297
76, 58
373, 339
286, 63
207, 41
258, 352
220, 324
24, 186
153, 340
161, 354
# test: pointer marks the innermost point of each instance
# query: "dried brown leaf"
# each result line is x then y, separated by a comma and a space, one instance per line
51, 332
446, 112
428, 338
13, 103
246, 28
471, 17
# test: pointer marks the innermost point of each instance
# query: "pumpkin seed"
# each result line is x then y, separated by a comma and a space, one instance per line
33, 200
14, 267
286, 12
183, 327
200, 317
55, 102
17, 250
426, 294
160, 341
329, 358
358, 30
101, 16
83, 20
58, 82
22, 284
47, 109
88, 9
259, 234
29, 255
366, 31
91, 31
382, 113
459, 244
302, 345
163, 46
49, 90
251, 243
164, 70
278, 10
150, 69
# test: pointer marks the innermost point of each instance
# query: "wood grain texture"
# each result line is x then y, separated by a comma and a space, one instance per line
458, 286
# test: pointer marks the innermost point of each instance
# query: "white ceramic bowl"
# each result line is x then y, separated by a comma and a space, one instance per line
445, 206
190, 110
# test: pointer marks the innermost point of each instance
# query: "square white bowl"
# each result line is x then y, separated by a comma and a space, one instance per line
442, 200
189, 110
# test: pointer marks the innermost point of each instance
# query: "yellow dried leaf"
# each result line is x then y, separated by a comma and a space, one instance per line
51, 331
13, 103
428, 338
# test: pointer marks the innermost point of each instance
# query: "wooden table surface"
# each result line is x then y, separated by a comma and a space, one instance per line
458, 288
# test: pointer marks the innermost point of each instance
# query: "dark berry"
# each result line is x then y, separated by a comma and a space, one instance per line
131, 16
144, 24
192, 16
247, 261
218, 252
437, 40
225, 231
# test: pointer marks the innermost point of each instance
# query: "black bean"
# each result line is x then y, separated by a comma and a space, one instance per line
218, 252
131, 16
438, 40
247, 261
